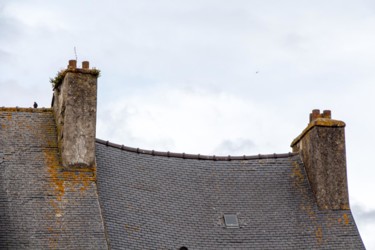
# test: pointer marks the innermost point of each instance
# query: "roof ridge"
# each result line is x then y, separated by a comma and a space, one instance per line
194, 156
32, 110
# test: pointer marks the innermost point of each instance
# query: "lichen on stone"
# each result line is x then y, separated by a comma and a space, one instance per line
58, 79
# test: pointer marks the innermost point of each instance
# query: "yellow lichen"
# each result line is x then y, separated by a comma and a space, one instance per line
132, 229
53, 164
63, 180
299, 178
320, 122
297, 173
74, 179
319, 235
344, 219
345, 207
52, 243
32, 110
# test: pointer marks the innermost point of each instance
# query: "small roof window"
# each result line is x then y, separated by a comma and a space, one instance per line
231, 221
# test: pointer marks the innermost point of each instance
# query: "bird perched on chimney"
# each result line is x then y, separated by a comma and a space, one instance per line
35, 105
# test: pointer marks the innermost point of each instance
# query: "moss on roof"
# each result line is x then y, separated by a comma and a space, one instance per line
58, 79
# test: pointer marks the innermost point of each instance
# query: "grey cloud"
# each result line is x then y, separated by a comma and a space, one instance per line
235, 146
9, 27
17, 94
362, 215
4, 56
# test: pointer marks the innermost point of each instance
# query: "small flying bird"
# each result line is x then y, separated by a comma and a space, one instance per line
256, 72
35, 105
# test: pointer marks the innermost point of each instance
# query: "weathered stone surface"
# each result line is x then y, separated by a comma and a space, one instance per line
322, 147
74, 106
321, 122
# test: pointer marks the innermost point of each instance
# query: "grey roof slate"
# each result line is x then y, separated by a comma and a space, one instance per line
159, 202
142, 199
41, 205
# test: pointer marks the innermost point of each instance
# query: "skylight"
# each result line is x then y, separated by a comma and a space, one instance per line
231, 221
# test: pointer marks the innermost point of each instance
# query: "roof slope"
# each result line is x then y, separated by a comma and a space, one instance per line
151, 202
42, 205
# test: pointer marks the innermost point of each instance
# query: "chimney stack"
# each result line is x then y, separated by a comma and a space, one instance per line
74, 104
322, 148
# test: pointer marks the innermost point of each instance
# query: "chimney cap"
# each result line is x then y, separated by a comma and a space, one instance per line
320, 120
72, 64
85, 65
315, 114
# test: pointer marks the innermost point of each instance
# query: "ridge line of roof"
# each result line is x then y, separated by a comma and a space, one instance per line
18, 109
194, 156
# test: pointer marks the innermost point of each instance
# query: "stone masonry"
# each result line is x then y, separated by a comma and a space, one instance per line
74, 105
322, 148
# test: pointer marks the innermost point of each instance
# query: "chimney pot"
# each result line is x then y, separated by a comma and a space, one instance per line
72, 64
85, 65
327, 114
314, 115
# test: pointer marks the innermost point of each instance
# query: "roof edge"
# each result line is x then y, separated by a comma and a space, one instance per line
31, 110
194, 156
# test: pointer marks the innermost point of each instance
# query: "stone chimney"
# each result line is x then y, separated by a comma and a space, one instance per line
74, 106
322, 148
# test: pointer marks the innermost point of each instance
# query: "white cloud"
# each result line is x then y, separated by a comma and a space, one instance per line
365, 219
235, 146
191, 120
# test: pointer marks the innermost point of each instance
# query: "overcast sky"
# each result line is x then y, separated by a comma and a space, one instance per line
211, 77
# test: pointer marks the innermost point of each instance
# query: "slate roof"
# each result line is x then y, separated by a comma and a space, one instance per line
142, 199
161, 202
42, 206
